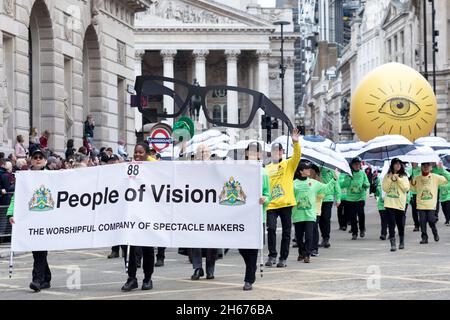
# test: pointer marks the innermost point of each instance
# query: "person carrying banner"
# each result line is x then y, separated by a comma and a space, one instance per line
141, 153
41, 274
356, 186
203, 153
281, 174
250, 256
396, 186
304, 213
426, 187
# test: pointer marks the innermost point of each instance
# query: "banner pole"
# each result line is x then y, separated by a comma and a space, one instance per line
11, 255
127, 259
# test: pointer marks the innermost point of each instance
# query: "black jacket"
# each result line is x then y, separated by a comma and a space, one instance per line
6, 182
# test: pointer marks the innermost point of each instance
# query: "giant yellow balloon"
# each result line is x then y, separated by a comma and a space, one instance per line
393, 99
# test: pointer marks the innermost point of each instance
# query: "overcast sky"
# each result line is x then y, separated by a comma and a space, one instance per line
267, 3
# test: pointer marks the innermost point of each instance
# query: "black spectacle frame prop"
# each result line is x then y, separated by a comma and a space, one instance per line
148, 85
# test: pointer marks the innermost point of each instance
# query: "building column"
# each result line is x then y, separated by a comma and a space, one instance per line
232, 97
168, 56
200, 75
263, 81
139, 55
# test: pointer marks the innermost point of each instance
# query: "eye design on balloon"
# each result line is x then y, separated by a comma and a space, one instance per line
400, 108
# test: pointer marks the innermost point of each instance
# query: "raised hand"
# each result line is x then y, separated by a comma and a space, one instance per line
295, 135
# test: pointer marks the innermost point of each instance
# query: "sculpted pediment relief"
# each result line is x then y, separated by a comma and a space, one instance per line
188, 13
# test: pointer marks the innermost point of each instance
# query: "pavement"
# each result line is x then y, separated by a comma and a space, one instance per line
361, 269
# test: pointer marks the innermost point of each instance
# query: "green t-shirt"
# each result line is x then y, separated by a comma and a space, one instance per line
306, 192
265, 192
356, 186
335, 193
378, 193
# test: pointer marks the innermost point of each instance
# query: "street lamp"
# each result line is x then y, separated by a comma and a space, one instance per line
282, 23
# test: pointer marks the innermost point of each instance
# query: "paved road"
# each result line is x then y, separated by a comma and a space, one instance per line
362, 269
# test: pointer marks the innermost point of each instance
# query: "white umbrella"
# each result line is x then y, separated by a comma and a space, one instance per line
326, 157
385, 147
420, 155
349, 149
436, 143
304, 142
201, 137
319, 154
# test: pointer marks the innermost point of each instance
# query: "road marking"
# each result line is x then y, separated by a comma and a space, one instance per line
134, 294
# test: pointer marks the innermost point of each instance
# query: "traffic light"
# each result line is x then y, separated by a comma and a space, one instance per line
268, 123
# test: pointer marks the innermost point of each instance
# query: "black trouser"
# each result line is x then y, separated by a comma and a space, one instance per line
415, 215
396, 217
115, 249
160, 255
148, 255
250, 258
430, 217
355, 210
304, 230
437, 208
384, 222
315, 242
286, 224
342, 218
325, 220
41, 271
446, 209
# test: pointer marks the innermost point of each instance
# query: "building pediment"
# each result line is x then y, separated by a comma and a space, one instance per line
196, 13
396, 9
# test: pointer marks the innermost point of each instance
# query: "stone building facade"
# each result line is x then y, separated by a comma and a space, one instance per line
59, 61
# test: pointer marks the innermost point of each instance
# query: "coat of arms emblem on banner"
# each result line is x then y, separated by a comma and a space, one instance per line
232, 194
42, 200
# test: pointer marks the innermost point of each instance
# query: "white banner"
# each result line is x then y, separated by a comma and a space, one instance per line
165, 204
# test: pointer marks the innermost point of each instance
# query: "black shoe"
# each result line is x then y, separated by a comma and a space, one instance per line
344, 228
45, 285
270, 262
113, 254
416, 229
209, 276
314, 253
247, 286
393, 245
159, 263
383, 237
321, 244
197, 274
295, 245
326, 244
147, 284
281, 264
424, 241
350, 231
436, 238
130, 284
138, 264
354, 237
447, 223
35, 286
362, 234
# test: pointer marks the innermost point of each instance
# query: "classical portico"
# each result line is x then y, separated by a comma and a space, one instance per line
206, 41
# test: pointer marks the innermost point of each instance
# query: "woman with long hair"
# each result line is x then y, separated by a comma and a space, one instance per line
396, 186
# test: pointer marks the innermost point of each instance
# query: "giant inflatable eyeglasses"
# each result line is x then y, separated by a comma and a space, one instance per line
152, 90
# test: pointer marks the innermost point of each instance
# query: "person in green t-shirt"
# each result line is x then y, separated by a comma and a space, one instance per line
415, 171
381, 209
357, 186
330, 197
304, 213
